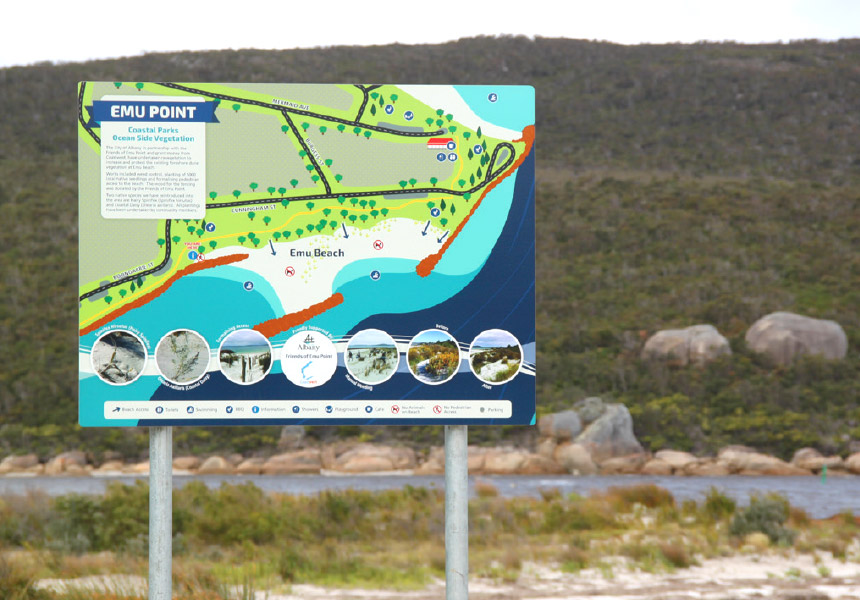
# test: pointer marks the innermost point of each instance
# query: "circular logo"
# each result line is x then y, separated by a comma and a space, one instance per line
248, 285
289, 271
210, 227
492, 97
408, 115
389, 109
435, 212
451, 145
309, 359
375, 275
452, 157
378, 245
192, 255
477, 148
441, 157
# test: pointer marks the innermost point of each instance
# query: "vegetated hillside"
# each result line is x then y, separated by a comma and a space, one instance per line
678, 184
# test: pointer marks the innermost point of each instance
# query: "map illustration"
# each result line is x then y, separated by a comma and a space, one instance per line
244, 234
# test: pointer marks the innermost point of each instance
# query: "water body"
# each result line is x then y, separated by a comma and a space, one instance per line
820, 500
507, 110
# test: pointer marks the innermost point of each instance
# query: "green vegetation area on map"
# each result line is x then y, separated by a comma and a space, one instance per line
265, 161
676, 185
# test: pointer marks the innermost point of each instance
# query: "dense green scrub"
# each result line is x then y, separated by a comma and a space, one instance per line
391, 539
676, 185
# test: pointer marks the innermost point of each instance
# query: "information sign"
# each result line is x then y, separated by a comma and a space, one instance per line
283, 254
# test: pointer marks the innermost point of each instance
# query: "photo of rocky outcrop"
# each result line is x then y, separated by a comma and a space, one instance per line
118, 357
182, 356
245, 356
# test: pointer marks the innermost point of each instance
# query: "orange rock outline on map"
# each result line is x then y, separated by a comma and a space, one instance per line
149, 297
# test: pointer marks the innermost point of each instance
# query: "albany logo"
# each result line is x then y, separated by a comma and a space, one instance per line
308, 343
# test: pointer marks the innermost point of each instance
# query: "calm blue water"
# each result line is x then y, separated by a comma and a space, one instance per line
508, 109
820, 500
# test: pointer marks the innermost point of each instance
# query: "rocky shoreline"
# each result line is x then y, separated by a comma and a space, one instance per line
552, 457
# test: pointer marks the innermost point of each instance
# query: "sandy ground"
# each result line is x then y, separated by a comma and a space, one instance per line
118, 357
372, 369
738, 577
312, 282
254, 370
489, 372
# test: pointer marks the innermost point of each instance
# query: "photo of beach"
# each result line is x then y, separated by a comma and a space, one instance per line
495, 356
433, 356
182, 356
118, 357
371, 356
245, 356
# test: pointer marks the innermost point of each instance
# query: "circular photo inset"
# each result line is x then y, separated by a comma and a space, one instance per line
182, 356
433, 356
118, 357
371, 356
495, 356
309, 359
245, 356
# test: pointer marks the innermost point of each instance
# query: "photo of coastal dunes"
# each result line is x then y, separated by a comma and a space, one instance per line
495, 356
118, 357
433, 356
182, 356
245, 356
371, 356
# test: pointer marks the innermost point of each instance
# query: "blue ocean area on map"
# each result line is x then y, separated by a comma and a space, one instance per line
508, 108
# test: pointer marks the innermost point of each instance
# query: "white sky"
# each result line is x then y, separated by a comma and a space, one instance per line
73, 31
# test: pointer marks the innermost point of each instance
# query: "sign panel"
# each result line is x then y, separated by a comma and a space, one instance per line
306, 254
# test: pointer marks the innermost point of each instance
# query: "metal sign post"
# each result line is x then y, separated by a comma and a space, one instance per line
456, 512
160, 513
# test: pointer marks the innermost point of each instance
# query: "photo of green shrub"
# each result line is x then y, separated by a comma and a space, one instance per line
433, 356
182, 356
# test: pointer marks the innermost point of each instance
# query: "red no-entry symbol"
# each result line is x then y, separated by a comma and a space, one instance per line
378, 244
437, 409
200, 257
395, 409
289, 271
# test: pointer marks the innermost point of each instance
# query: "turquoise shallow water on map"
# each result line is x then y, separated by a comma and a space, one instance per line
507, 111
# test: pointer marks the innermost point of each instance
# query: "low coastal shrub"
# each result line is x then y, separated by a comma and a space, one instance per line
767, 515
717, 506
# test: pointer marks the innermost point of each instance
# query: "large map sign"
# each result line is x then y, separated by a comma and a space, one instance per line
306, 254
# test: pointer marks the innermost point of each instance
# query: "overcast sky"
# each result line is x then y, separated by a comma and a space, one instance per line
71, 32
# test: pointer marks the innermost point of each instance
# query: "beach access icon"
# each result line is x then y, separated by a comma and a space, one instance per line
371, 261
